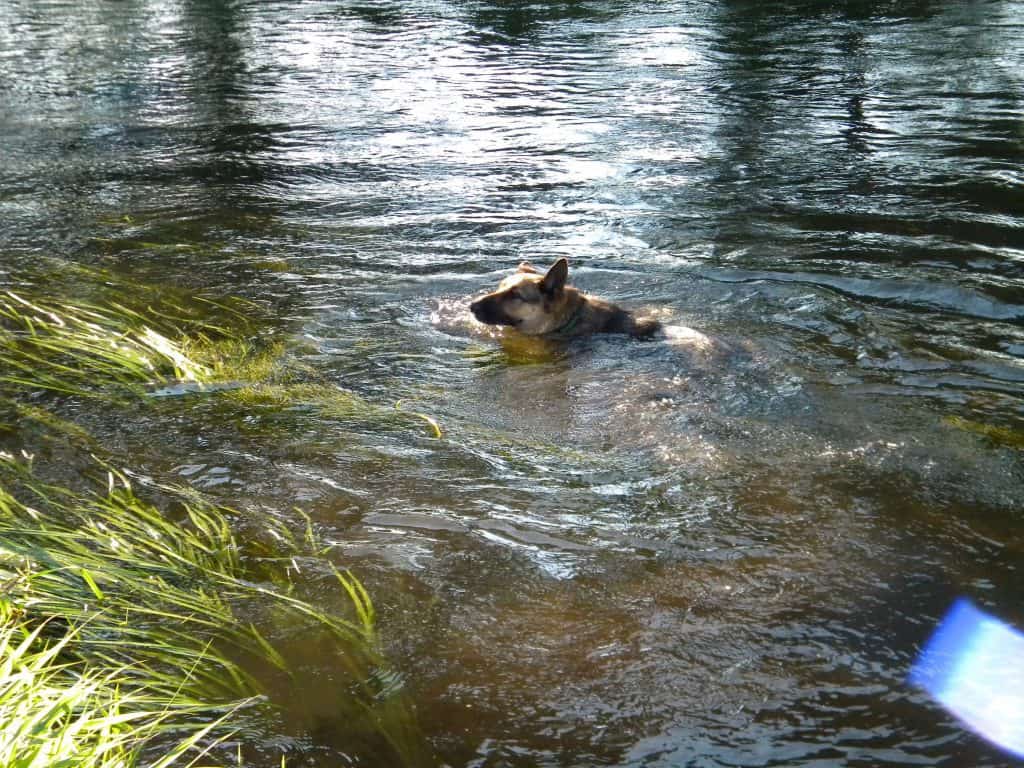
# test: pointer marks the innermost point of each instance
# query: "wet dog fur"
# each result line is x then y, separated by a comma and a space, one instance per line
544, 305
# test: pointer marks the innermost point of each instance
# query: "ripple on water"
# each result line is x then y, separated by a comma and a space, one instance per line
616, 553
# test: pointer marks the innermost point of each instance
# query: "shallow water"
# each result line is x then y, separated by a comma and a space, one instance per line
617, 553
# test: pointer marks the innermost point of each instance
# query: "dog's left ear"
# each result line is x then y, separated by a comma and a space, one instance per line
554, 280
525, 266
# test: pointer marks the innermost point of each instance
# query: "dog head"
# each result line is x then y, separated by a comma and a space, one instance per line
531, 302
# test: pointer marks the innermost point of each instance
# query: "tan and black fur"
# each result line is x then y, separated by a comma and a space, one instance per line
544, 305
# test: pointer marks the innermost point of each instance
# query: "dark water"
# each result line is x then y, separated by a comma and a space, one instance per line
618, 553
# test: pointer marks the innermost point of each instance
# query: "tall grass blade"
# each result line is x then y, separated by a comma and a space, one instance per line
137, 620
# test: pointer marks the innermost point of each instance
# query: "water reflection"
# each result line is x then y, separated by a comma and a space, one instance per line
618, 553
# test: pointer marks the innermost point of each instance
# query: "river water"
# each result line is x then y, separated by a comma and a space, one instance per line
617, 553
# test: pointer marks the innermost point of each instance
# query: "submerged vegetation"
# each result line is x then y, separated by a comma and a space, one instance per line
139, 619
112, 351
108, 350
997, 435
66, 348
134, 627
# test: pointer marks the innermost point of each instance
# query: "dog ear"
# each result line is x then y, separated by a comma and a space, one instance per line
554, 280
525, 266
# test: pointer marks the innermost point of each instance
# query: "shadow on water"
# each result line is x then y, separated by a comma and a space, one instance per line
523, 22
615, 553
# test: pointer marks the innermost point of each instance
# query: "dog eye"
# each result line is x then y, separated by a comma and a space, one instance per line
517, 294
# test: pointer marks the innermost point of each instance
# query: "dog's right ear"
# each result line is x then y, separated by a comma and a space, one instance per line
525, 266
554, 280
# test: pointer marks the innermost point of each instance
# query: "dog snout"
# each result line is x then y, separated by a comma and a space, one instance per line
477, 308
488, 310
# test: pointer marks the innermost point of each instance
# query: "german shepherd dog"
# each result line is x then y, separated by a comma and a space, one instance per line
543, 305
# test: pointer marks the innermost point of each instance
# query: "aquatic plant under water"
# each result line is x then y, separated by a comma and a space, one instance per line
137, 616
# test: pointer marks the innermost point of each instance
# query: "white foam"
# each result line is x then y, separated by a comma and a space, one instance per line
689, 337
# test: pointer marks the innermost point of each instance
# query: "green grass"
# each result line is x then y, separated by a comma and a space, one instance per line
111, 352
80, 349
56, 712
148, 624
134, 628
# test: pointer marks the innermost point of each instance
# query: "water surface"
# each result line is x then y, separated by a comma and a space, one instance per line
617, 553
